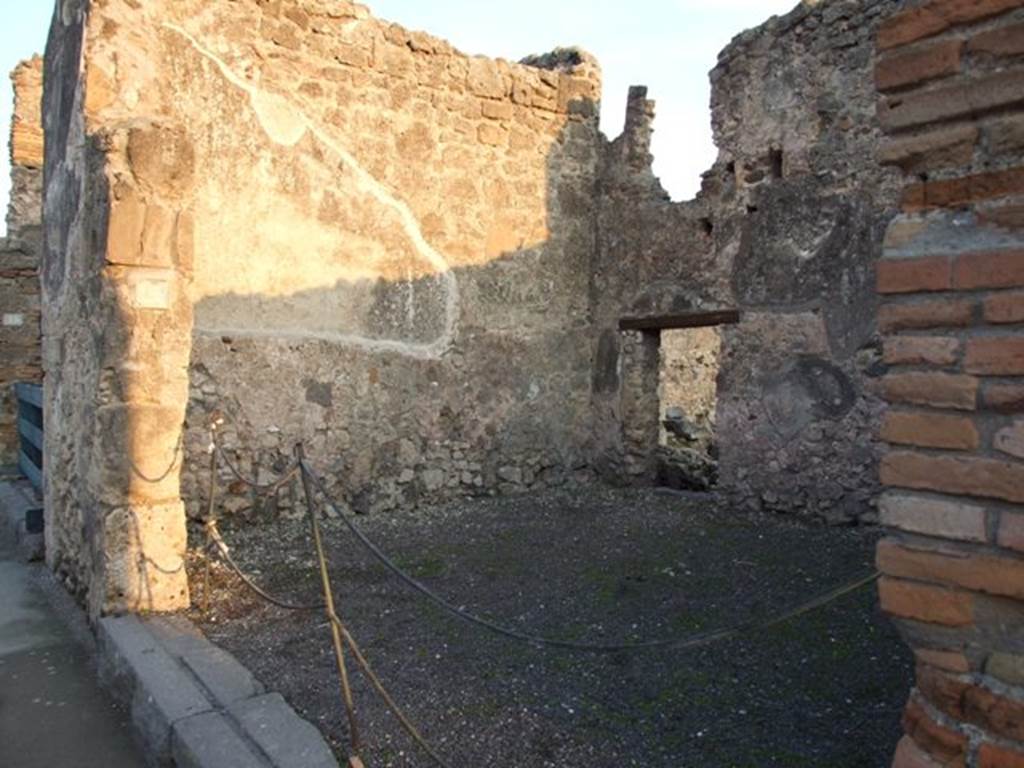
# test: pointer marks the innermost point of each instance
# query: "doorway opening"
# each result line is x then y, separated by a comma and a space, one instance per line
670, 397
687, 405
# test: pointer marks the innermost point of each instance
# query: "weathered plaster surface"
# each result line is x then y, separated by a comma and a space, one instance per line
327, 228
402, 235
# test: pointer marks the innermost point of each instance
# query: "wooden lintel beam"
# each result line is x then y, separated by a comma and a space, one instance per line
683, 320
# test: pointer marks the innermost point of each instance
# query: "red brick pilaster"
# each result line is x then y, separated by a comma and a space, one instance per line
951, 79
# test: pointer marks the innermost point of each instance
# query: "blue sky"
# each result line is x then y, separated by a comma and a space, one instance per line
668, 45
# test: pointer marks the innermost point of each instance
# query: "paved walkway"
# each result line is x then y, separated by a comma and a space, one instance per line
52, 711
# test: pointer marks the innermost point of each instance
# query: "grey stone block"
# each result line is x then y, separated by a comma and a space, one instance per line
161, 691
195, 706
217, 671
16, 499
288, 740
211, 740
31, 547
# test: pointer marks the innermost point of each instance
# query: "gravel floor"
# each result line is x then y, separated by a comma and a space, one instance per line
823, 690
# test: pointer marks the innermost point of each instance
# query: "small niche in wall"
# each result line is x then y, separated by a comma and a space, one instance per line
775, 159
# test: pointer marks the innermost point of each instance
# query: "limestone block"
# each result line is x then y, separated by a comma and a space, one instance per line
100, 90
162, 160
484, 79
138, 457
124, 229
144, 289
1010, 440
225, 680
159, 691
211, 739
288, 740
143, 564
934, 516
1007, 667
396, 61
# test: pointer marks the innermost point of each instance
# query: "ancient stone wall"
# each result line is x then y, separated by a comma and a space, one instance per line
688, 404
393, 243
19, 253
689, 373
653, 257
787, 228
323, 228
951, 280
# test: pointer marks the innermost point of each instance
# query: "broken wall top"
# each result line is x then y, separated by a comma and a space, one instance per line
796, 85
27, 124
273, 43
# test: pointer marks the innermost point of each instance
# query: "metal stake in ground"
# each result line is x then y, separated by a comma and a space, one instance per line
332, 615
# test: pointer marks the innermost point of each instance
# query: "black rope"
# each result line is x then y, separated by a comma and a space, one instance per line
262, 488
357, 652
167, 472
693, 641
308, 474
222, 551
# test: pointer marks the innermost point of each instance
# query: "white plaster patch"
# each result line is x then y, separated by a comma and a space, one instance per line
285, 123
149, 288
1010, 440
14, 320
153, 294
278, 118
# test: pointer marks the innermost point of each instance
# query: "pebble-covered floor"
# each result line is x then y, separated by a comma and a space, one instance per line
823, 691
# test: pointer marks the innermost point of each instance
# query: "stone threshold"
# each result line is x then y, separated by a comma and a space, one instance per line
193, 705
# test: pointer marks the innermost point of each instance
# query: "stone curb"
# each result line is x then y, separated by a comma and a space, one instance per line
193, 705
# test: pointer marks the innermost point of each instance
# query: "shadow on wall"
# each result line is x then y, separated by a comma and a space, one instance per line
418, 314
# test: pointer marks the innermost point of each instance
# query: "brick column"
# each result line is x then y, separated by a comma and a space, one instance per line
951, 74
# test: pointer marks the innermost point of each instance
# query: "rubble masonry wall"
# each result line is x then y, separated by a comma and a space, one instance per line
787, 228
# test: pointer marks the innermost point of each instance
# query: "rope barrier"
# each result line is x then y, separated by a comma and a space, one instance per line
339, 632
405, 722
332, 614
343, 638
261, 488
222, 551
167, 472
693, 641
357, 653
